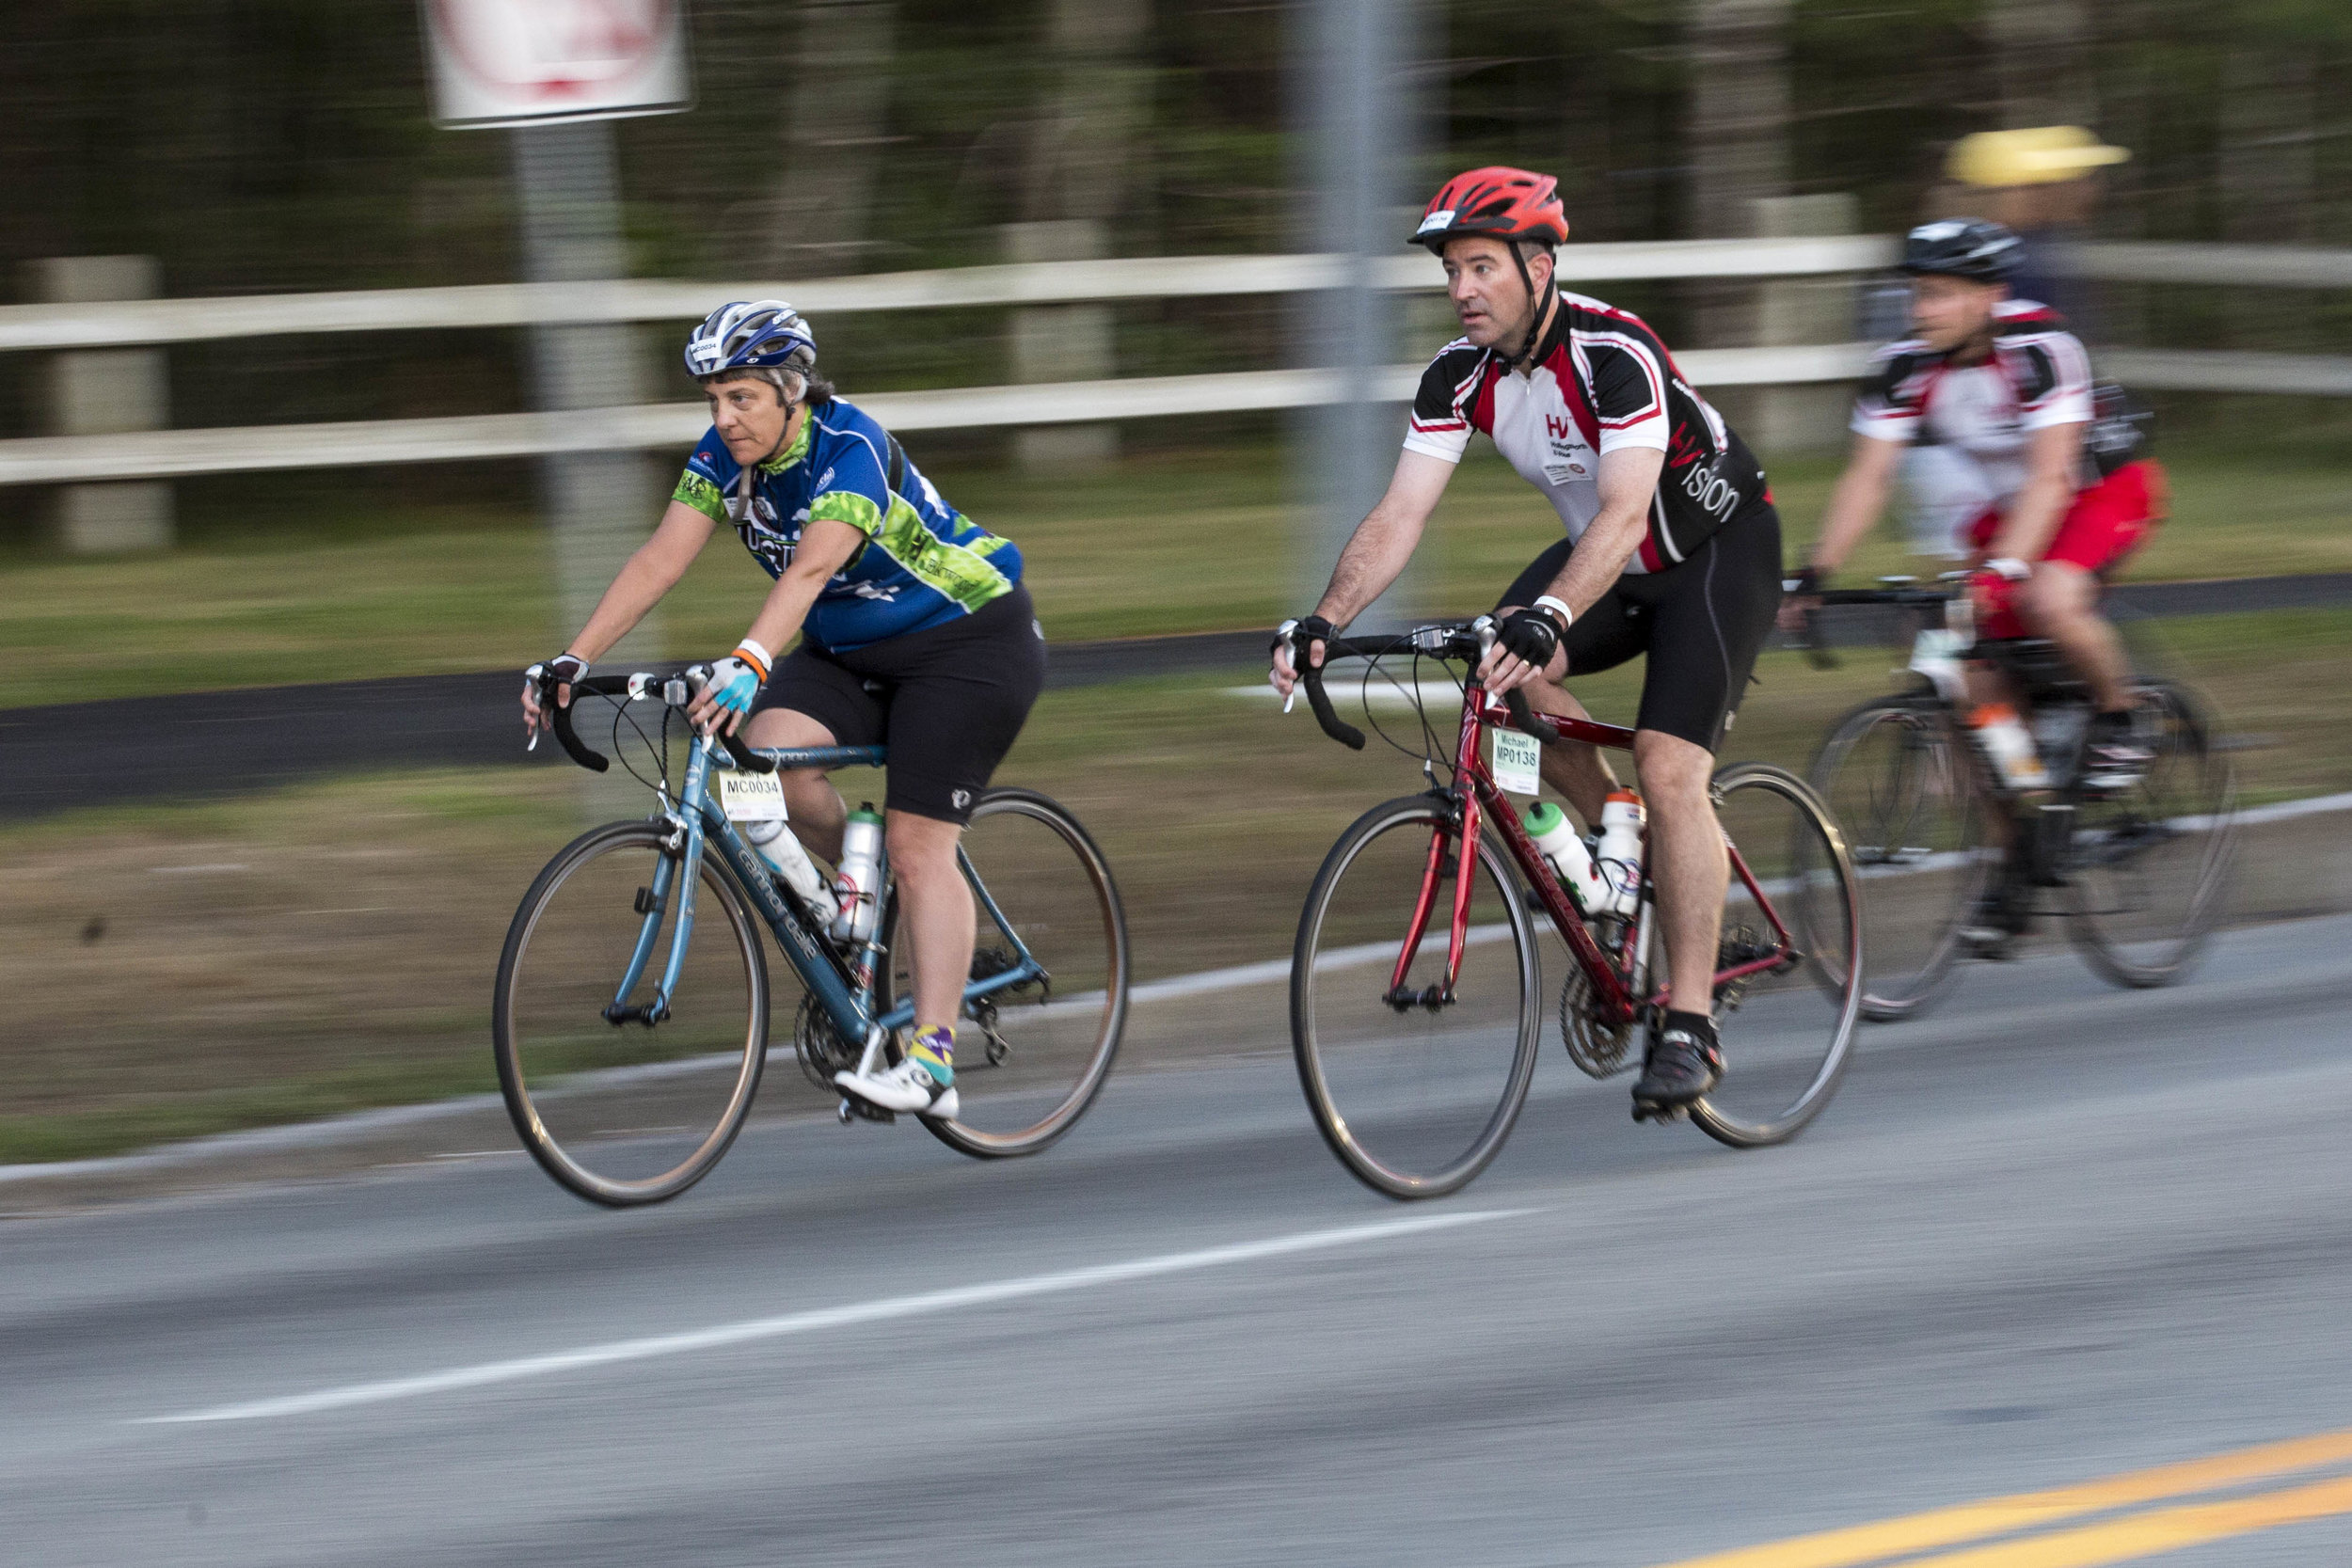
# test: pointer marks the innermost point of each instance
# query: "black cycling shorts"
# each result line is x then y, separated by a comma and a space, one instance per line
1702, 623
949, 700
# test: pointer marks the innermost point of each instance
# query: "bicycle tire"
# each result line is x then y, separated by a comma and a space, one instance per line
2206, 795
1320, 1060
1891, 844
529, 1103
1096, 1026
1822, 902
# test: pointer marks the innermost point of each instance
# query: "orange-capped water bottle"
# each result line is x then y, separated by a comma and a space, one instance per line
2009, 746
1619, 852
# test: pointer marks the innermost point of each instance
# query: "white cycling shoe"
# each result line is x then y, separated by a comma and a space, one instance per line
908, 1087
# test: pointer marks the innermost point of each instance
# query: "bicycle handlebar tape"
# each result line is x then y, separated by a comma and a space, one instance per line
568, 737
1333, 725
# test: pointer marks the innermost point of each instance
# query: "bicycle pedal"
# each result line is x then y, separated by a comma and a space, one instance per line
853, 1109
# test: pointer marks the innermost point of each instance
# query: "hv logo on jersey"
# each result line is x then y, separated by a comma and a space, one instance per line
1567, 458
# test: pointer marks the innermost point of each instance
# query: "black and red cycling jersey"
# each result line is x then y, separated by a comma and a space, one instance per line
1600, 380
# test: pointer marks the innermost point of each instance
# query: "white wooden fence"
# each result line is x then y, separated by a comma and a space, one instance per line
167, 454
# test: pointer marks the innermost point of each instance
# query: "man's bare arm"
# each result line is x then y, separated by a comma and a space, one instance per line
1856, 506
1384, 540
1376, 551
1628, 482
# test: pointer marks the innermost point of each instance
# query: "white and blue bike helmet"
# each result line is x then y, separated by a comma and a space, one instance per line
752, 335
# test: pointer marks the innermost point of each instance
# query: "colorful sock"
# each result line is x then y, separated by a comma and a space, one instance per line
936, 1049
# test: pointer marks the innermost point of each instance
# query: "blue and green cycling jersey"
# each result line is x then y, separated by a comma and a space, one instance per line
923, 565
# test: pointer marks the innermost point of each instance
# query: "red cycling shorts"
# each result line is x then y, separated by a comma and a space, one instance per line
2108, 521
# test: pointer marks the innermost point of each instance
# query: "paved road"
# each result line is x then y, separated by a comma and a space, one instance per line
208, 743
2054, 1233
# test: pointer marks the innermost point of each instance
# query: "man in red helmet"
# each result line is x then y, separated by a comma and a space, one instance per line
1673, 550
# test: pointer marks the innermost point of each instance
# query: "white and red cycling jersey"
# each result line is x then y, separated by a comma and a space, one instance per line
1599, 380
1985, 415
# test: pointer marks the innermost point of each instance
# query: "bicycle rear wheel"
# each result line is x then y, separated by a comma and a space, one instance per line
1037, 1052
1897, 779
2148, 869
1787, 1029
628, 1112
1414, 1100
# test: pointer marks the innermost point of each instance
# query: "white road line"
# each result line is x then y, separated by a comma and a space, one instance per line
830, 1317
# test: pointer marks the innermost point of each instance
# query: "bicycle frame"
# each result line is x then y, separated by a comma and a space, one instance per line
699, 822
1614, 998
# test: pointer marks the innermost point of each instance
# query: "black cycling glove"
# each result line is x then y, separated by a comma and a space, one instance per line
1297, 634
563, 670
1806, 583
1531, 634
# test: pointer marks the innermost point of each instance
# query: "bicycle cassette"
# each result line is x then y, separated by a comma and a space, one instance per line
1599, 1049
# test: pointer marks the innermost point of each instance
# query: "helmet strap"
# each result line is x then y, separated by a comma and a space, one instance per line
1541, 308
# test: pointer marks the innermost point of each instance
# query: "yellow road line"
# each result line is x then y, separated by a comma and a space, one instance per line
2166, 1529
1966, 1522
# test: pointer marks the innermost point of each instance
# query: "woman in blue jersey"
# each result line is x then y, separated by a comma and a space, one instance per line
915, 630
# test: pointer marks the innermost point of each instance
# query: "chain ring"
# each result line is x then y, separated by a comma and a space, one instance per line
1598, 1051
817, 1042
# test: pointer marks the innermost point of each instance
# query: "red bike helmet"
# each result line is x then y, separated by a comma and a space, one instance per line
1500, 203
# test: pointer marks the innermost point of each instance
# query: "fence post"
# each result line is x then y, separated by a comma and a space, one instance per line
1061, 342
1796, 311
106, 393
601, 504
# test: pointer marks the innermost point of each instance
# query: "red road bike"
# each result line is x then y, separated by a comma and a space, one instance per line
1416, 990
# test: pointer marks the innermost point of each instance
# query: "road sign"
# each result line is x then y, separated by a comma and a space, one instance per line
522, 62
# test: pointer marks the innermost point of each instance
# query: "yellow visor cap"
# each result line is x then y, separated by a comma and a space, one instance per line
2041, 156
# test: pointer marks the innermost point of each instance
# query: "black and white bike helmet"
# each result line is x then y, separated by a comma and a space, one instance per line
1980, 251
752, 335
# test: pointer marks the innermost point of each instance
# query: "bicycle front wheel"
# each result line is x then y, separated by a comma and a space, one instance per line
1036, 1053
1415, 1091
1794, 921
2148, 869
622, 1101
1896, 777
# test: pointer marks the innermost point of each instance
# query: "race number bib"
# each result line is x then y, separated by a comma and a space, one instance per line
752, 796
1517, 762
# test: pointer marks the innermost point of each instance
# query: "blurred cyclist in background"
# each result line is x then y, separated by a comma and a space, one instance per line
2042, 183
1998, 381
1672, 551
916, 632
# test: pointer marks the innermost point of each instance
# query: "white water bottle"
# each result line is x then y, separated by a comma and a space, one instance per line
1558, 842
1619, 852
780, 846
857, 887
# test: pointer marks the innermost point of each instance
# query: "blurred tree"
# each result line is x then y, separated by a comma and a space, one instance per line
837, 102
2042, 61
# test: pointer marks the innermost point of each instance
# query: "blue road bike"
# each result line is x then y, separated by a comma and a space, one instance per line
634, 999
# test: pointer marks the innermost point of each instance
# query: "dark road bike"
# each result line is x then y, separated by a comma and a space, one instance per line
1416, 992
2139, 875
632, 1014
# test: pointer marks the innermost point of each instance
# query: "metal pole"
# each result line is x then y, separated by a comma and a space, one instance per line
599, 503
1350, 58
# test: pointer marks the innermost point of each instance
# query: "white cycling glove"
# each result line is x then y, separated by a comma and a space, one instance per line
735, 680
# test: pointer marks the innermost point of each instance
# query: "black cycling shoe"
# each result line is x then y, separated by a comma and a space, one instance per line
1682, 1064
2002, 914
